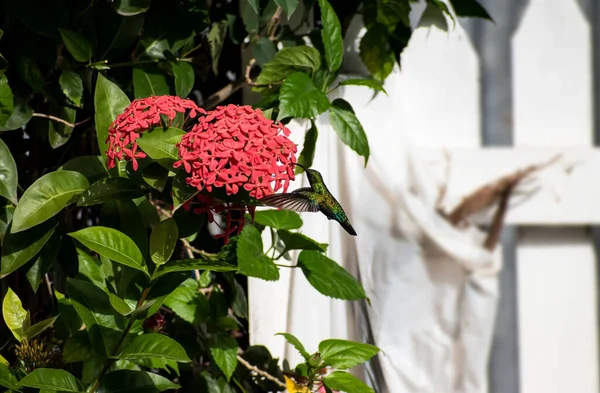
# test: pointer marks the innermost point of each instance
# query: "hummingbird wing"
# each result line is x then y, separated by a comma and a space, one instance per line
293, 201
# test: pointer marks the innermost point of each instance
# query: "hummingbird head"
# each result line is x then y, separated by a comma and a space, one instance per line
314, 177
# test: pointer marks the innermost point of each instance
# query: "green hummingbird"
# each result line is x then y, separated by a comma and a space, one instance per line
311, 199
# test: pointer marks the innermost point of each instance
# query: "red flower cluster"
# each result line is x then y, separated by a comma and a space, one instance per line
236, 146
141, 115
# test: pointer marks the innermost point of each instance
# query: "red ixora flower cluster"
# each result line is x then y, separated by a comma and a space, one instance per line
141, 115
236, 146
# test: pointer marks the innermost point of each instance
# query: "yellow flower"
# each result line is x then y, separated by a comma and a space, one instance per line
293, 387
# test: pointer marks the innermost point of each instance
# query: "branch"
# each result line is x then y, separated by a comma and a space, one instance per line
224, 93
58, 119
260, 372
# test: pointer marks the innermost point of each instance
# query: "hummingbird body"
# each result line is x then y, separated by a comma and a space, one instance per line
311, 199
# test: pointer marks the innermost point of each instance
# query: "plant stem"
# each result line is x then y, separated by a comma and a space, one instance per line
260, 372
58, 119
110, 361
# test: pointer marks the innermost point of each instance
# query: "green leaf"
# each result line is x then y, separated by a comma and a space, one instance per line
263, 50
300, 98
250, 16
288, 60
345, 382
8, 174
109, 101
7, 379
112, 244
296, 343
159, 144
52, 379
59, 133
120, 305
156, 176
182, 192
31, 74
20, 247
185, 265
348, 127
149, 80
6, 101
188, 303
332, 36
255, 6
43, 262
72, 86
376, 52
216, 38
20, 115
328, 277
224, 350
184, 78
289, 6
154, 345
346, 354
14, 315
163, 241
78, 46
371, 83
38, 328
46, 197
278, 219
91, 268
77, 348
251, 259
92, 167
110, 189
132, 224
298, 241
6, 213
308, 150
434, 15
470, 8
131, 7
132, 381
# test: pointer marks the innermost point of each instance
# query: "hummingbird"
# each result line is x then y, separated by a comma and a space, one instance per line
311, 199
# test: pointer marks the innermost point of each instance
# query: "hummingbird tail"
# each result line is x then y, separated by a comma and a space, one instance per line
346, 225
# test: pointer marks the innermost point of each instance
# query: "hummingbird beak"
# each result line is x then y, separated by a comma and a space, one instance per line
301, 166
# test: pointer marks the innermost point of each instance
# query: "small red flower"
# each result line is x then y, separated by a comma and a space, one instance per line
155, 322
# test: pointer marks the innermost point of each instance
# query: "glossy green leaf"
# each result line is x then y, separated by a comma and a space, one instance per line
6, 213
371, 83
328, 277
109, 101
263, 50
46, 197
332, 36
20, 115
132, 225
278, 219
31, 74
255, 5
7, 379
149, 80
8, 174
345, 382
188, 303
434, 15
110, 189
346, 354
132, 381
6, 100
299, 97
288, 60
469, 8
160, 144
43, 262
156, 176
92, 167
72, 86
59, 133
77, 348
182, 192
154, 345
216, 39
376, 52
348, 127
184, 78
298, 241
250, 16
184, 265
78, 46
224, 350
112, 244
120, 305
38, 328
20, 248
308, 150
251, 259
296, 343
90, 268
52, 379
131, 7
289, 6
14, 315
163, 241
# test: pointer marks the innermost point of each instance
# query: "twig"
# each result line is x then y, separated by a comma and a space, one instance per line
188, 249
282, 265
247, 76
274, 23
224, 93
58, 119
260, 372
